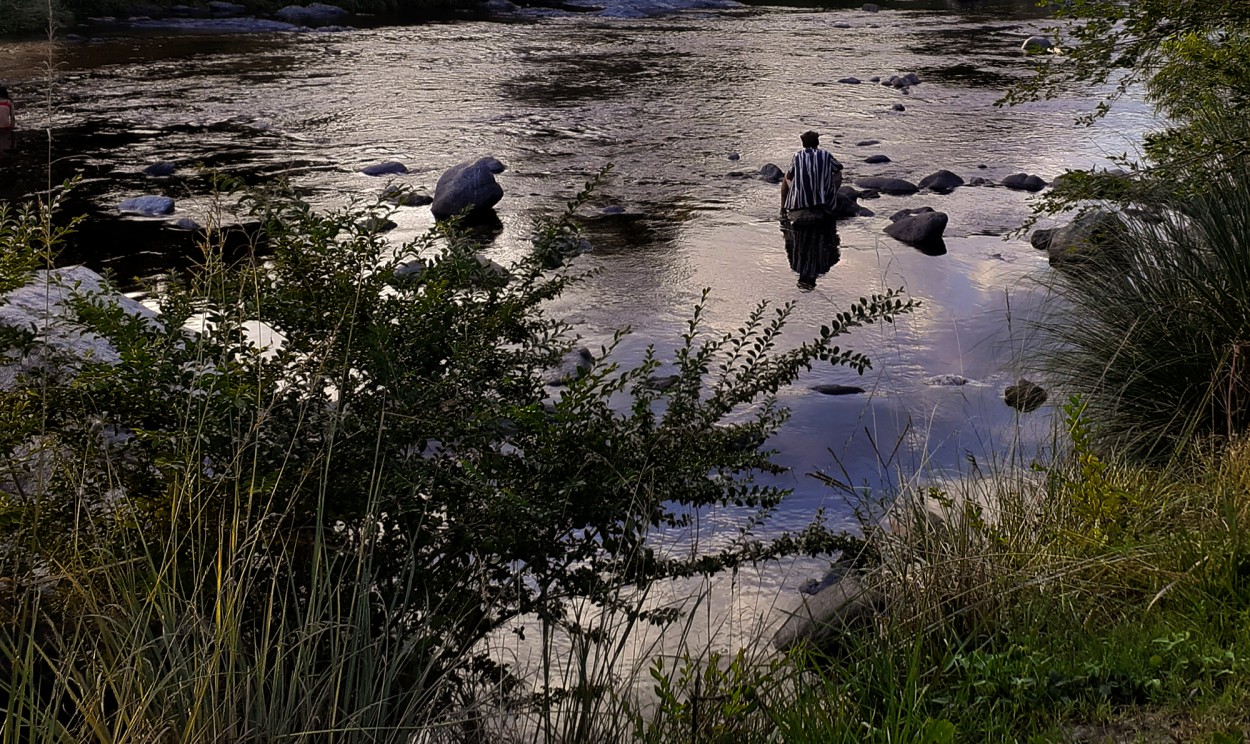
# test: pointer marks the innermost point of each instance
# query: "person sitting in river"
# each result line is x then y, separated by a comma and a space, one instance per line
7, 120
809, 191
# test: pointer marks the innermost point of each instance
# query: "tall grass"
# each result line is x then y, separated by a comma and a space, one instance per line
1155, 338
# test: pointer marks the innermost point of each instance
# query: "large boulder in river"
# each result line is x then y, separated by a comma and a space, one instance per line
467, 186
884, 185
1024, 182
918, 227
822, 620
1091, 237
314, 14
942, 182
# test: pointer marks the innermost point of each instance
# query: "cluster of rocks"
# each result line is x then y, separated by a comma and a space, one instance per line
228, 17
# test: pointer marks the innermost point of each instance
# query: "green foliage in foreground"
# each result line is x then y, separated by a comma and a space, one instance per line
1025, 616
212, 538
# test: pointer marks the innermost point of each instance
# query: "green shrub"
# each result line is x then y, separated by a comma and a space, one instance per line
392, 479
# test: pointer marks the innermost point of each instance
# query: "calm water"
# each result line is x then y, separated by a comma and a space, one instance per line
666, 101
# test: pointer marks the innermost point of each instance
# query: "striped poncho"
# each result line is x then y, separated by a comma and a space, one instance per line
815, 177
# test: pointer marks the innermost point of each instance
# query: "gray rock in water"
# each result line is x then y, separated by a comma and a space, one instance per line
979, 181
919, 228
875, 159
1024, 182
387, 168
871, 8
771, 173
222, 8
493, 165
405, 197
899, 107
500, 6
828, 615
160, 170
661, 383
313, 14
1041, 238
1036, 44
186, 223
148, 206
612, 210
867, 143
733, 156
911, 78
832, 389
573, 367
376, 224
900, 214
1025, 396
947, 380
1089, 238
467, 186
850, 80
865, 212
941, 182
841, 24
892, 186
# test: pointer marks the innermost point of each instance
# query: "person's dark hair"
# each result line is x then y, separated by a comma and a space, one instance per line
4, 92
810, 139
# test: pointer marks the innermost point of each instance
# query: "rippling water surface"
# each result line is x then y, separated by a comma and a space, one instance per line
666, 101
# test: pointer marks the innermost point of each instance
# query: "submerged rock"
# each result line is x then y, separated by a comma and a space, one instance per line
160, 170
147, 206
831, 389
386, 168
875, 159
573, 367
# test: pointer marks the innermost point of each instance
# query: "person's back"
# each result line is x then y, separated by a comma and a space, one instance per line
7, 119
813, 179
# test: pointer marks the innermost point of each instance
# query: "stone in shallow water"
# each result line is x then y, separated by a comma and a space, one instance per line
387, 168
159, 170
1025, 396
831, 389
147, 206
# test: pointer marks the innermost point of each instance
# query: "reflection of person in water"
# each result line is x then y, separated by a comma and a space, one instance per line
812, 249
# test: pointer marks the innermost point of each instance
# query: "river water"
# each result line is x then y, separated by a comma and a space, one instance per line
666, 101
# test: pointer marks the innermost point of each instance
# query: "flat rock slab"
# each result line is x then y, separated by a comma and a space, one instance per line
386, 168
884, 185
837, 389
830, 613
